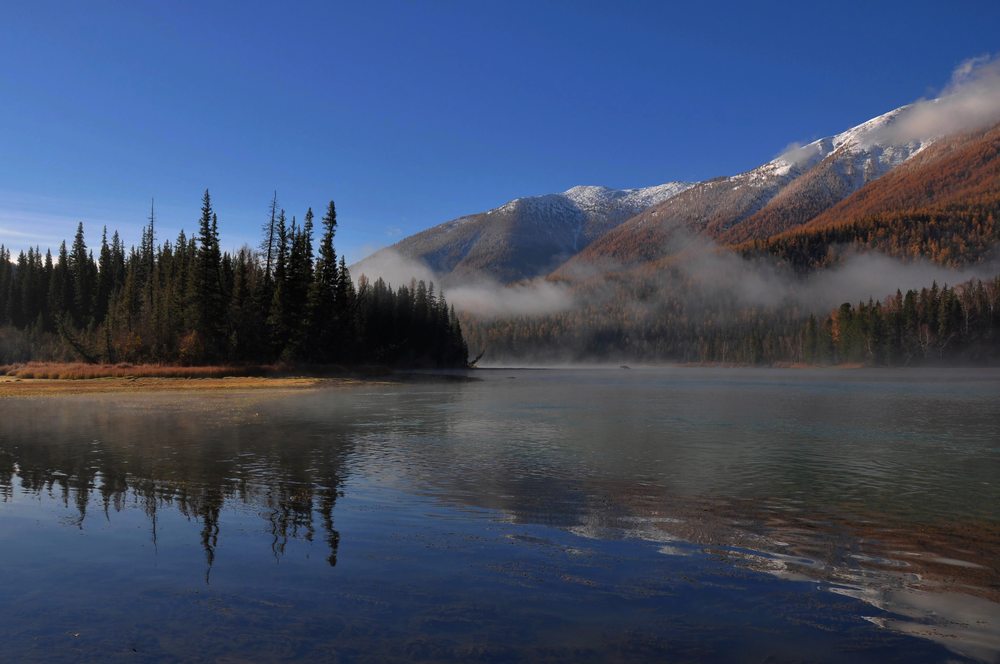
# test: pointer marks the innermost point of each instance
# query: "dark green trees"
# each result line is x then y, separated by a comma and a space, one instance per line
400, 328
206, 292
83, 273
949, 325
932, 325
277, 320
322, 292
190, 302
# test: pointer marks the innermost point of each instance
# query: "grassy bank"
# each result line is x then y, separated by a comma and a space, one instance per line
52, 378
35, 387
82, 371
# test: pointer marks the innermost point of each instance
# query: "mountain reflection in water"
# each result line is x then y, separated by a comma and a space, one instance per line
550, 499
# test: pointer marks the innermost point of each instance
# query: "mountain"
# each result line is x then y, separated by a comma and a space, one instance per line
901, 194
920, 244
958, 172
750, 268
943, 204
783, 193
526, 237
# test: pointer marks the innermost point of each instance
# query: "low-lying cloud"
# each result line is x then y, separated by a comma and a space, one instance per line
394, 268
858, 277
476, 294
493, 300
797, 154
708, 272
971, 101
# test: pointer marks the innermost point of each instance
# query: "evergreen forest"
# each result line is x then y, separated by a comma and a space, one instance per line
188, 302
673, 319
292, 299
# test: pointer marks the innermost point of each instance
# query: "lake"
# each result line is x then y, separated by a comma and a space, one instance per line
685, 514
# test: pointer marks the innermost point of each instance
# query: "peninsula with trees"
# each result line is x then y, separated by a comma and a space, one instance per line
188, 302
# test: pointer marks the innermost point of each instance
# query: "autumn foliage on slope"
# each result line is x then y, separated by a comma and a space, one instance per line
962, 172
943, 205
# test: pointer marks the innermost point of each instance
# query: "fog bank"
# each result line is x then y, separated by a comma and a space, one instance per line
479, 294
707, 270
969, 102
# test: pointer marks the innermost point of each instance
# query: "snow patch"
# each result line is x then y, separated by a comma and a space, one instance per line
594, 200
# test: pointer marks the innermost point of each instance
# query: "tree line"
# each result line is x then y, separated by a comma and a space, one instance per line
953, 237
644, 320
189, 302
932, 325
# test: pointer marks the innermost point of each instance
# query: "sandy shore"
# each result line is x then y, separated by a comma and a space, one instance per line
12, 387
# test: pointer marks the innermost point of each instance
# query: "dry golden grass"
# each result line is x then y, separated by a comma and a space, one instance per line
81, 371
57, 379
43, 387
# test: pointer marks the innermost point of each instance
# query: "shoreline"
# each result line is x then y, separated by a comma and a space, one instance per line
14, 387
58, 379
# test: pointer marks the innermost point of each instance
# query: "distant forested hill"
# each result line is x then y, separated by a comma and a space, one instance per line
639, 320
860, 248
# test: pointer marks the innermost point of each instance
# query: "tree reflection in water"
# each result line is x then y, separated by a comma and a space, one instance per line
154, 454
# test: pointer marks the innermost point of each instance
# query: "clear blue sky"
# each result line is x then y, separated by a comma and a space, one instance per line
412, 113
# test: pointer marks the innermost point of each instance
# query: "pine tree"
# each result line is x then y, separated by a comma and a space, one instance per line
60, 287
79, 266
299, 281
104, 277
244, 339
6, 277
190, 302
323, 291
343, 313
277, 321
268, 248
207, 282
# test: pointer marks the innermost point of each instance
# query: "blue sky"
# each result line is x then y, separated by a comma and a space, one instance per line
411, 113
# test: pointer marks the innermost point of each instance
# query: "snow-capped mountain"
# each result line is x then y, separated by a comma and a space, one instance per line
780, 194
525, 237
587, 228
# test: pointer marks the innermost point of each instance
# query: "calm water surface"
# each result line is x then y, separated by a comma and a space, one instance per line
685, 514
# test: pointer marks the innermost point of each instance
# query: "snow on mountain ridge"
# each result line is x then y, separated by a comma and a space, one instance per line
527, 236
863, 149
596, 199
868, 139
862, 153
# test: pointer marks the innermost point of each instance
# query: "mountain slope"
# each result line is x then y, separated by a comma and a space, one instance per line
944, 204
960, 171
783, 193
526, 237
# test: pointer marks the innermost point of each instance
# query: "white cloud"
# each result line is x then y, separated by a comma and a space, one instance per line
478, 295
971, 101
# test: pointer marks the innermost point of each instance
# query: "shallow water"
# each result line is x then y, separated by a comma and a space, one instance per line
684, 514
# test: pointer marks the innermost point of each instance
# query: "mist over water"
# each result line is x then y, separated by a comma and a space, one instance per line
579, 515
479, 294
857, 277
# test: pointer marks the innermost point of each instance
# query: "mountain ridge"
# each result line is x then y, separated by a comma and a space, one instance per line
589, 229
782, 193
526, 237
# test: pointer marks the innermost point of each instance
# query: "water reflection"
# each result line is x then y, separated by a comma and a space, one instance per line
159, 453
882, 490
